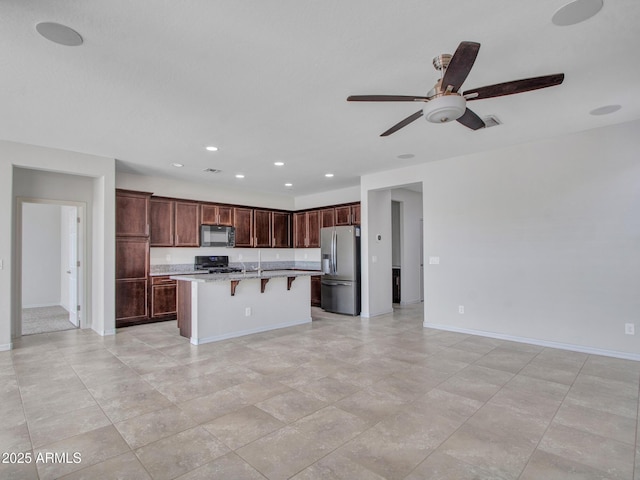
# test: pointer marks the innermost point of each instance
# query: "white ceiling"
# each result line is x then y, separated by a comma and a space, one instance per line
156, 81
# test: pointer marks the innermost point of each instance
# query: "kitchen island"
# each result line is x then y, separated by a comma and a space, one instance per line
213, 307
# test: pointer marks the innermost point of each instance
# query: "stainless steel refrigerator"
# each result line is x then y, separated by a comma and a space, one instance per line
340, 257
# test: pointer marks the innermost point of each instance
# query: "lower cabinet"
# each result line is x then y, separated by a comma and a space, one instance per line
131, 305
316, 289
163, 298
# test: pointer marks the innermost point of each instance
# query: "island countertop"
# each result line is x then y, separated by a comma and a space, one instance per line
219, 277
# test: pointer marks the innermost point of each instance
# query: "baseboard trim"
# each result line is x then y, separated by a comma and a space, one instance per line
377, 314
241, 333
6, 346
534, 341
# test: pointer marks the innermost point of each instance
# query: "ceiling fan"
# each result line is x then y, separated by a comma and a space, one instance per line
444, 103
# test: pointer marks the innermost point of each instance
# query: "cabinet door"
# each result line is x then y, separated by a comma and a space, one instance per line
163, 299
314, 229
281, 230
132, 214
327, 217
243, 221
300, 230
161, 222
187, 224
209, 214
343, 215
225, 215
316, 291
355, 214
263, 235
131, 300
132, 258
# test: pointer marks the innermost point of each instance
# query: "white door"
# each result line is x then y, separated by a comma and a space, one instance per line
72, 270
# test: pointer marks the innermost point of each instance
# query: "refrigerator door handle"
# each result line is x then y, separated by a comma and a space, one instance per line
335, 252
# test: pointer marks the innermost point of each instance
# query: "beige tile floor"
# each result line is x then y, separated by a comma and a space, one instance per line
342, 398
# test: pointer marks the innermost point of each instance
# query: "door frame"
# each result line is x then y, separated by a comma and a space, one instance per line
81, 255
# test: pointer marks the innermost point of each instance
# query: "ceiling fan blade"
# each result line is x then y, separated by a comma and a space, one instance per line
385, 98
460, 65
403, 123
471, 120
517, 86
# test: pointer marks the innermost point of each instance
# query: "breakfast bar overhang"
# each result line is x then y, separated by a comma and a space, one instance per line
213, 307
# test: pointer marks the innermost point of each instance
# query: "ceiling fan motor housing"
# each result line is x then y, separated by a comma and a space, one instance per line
445, 108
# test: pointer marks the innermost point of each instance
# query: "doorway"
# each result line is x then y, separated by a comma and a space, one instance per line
51, 265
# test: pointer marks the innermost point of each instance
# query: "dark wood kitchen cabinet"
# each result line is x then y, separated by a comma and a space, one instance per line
316, 291
281, 229
263, 232
132, 213
211, 214
348, 214
162, 221
187, 218
327, 217
306, 229
243, 222
174, 223
132, 257
163, 298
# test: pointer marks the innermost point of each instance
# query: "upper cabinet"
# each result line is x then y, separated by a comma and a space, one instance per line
211, 214
281, 222
327, 217
263, 228
306, 229
187, 224
347, 214
162, 220
174, 223
243, 221
132, 214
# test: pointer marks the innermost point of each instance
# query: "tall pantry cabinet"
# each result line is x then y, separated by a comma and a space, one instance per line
132, 256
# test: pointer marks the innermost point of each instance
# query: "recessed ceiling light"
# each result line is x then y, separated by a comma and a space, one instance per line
278, 164
177, 165
60, 34
211, 148
288, 184
405, 156
328, 175
606, 110
576, 12
239, 175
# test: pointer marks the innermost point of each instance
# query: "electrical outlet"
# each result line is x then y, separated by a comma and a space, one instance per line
434, 260
247, 312
239, 256
629, 329
460, 309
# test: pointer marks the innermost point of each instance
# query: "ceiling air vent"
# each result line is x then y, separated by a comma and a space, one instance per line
491, 121
211, 170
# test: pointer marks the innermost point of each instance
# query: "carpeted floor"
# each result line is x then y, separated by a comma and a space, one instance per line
45, 319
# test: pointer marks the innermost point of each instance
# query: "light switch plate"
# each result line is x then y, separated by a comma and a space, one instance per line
434, 260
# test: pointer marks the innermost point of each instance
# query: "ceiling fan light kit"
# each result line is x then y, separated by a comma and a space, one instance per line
443, 103
445, 108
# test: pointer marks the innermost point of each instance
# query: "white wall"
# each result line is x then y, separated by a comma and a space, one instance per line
25, 170
376, 254
538, 241
167, 187
332, 197
410, 234
41, 255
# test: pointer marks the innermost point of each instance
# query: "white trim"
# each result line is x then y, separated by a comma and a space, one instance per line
41, 305
85, 320
226, 336
377, 314
6, 346
411, 302
534, 341
104, 333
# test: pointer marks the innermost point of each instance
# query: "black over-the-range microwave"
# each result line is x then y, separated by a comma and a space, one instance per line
217, 236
